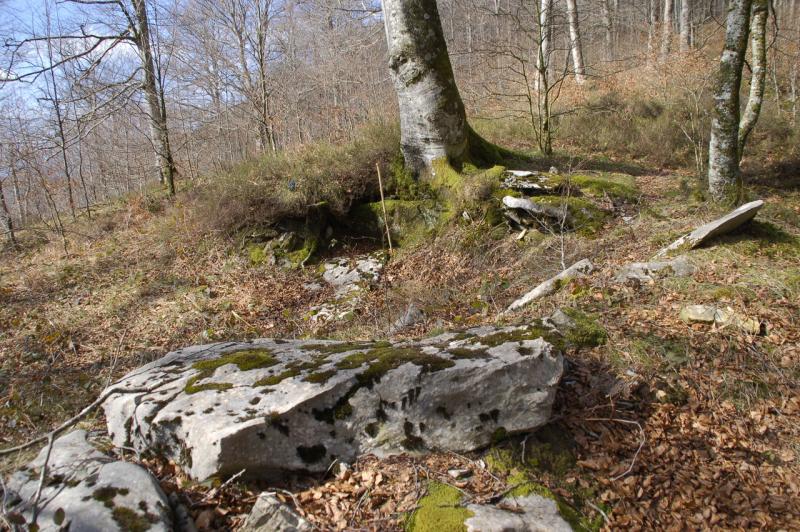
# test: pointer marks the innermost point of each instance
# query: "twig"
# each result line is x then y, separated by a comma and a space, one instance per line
383, 206
600, 510
213, 492
641, 443
42, 477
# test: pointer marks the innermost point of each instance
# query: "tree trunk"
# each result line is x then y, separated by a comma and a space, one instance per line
686, 29
433, 122
157, 111
666, 30
545, 34
609, 33
6, 222
724, 178
758, 29
575, 42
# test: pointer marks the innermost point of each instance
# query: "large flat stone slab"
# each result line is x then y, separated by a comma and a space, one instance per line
87, 491
272, 406
718, 227
532, 513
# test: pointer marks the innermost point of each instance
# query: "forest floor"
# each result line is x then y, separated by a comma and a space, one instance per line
663, 426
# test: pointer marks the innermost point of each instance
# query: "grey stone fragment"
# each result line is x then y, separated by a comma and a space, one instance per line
93, 491
533, 513
286, 417
271, 515
538, 210
718, 227
412, 315
552, 285
646, 272
721, 317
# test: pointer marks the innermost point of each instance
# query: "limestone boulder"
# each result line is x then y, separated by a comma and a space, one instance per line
272, 406
271, 515
647, 272
86, 490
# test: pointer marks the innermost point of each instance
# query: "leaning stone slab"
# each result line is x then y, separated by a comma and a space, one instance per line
646, 272
552, 285
272, 406
726, 224
85, 490
532, 513
271, 515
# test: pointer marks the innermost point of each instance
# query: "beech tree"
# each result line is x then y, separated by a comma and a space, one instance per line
576, 48
433, 122
724, 177
758, 65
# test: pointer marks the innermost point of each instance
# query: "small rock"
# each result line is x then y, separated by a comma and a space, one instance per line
88, 490
647, 272
459, 474
532, 513
553, 170
271, 515
722, 317
538, 210
410, 317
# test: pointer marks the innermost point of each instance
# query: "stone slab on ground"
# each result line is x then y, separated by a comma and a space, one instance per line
552, 285
86, 490
532, 513
718, 227
647, 272
271, 406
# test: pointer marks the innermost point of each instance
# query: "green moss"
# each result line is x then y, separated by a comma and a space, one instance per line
257, 254
106, 495
586, 218
272, 380
587, 332
409, 221
130, 520
245, 359
320, 377
192, 386
617, 186
499, 434
467, 353
337, 348
439, 511
531, 332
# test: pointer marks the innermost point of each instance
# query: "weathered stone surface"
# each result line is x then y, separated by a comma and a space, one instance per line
528, 182
647, 272
89, 491
538, 210
721, 317
532, 513
271, 515
718, 227
350, 279
552, 285
276, 405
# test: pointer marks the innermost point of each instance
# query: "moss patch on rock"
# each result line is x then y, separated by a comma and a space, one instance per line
381, 360
587, 332
245, 360
439, 511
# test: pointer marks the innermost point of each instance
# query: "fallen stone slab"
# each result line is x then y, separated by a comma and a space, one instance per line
528, 182
271, 406
721, 317
721, 226
532, 513
647, 272
412, 315
86, 490
538, 210
271, 515
552, 285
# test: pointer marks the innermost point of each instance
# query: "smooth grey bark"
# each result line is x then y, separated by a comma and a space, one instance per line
758, 64
724, 177
433, 122
686, 26
6, 222
608, 27
155, 101
545, 9
576, 46
666, 30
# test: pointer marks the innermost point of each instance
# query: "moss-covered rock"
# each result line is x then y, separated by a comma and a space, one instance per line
439, 511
